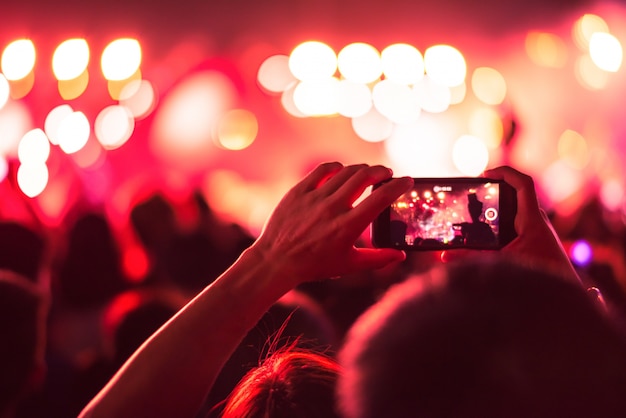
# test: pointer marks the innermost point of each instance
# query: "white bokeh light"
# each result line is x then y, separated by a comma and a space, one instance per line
121, 59
431, 96
445, 64
4, 168
395, 101
360, 63
421, 149
317, 98
53, 120
274, 74
287, 101
470, 155
34, 147
73, 132
606, 51
5, 90
612, 194
372, 126
70, 59
114, 126
15, 121
313, 60
353, 99
402, 63
32, 179
561, 181
18, 59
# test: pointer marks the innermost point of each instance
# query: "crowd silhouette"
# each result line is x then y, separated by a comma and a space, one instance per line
71, 317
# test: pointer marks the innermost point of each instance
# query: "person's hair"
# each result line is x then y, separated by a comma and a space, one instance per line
22, 335
486, 338
21, 250
290, 382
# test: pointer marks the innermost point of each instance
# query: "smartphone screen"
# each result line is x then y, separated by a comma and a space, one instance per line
448, 213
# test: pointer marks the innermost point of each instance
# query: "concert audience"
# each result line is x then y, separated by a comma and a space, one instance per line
189, 366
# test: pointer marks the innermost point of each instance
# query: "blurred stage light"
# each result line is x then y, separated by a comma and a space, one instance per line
445, 64
32, 178
488, 85
589, 75
584, 28
121, 59
312, 61
561, 181
15, 121
73, 132
372, 126
486, 124
395, 101
612, 195
431, 96
546, 49
18, 59
237, 129
353, 99
114, 126
317, 97
581, 253
4, 90
402, 63
458, 93
72, 89
185, 124
360, 63
139, 97
606, 51
573, 149
470, 155
4, 168
54, 119
34, 147
422, 148
274, 74
70, 59
288, 103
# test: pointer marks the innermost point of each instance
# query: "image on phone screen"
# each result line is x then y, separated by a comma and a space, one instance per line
444, 214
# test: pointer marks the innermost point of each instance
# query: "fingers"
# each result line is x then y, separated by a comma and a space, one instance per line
350, 183
373, 258
379, 199
453, 256
320, 175
524, 186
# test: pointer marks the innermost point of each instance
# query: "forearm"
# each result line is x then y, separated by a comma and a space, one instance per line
171, 373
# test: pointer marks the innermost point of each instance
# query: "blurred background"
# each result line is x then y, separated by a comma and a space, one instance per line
240, 99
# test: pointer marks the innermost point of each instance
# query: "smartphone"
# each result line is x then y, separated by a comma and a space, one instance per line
448, 213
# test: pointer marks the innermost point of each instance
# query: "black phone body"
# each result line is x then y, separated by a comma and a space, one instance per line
448, 213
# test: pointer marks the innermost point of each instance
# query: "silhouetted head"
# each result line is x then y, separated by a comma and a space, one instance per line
21, 250
23, 308
484, 338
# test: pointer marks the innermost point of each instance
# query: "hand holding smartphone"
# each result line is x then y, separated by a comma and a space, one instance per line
448, 213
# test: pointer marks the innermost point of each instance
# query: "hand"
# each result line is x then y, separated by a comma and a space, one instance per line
537, 241
312, 231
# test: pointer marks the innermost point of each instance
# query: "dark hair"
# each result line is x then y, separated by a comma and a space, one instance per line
291, 382
21, 249
486, 338
22, 334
